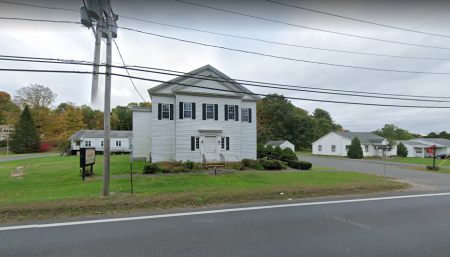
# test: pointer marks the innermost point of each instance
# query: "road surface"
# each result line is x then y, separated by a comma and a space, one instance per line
417, 226
22, 157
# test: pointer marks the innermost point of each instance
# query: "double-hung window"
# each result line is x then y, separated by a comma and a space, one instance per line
187, 110
320, 148
166, 111
101, 143
197, 143
209, 111
333, 148
222, 143
87, 143
367, 148
118, 143
245, 114
231, 112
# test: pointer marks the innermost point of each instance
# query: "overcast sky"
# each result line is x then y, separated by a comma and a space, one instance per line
71, 41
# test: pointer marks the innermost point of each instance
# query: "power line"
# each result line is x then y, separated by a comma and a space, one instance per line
284, 44
247, 38
40, 6
255, 53
305, 27
284, 58
38, 20
422, 111
359, 20
224, 90
128, 72
243, 82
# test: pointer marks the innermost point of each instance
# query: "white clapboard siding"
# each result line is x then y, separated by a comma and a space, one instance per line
163, 131
142, 133
248, 132
327, 141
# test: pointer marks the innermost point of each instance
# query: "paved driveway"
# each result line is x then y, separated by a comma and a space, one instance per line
428, 180
15, 158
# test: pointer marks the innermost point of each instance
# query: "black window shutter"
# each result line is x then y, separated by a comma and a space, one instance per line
204, 112
236, 110
249, 115
226, 112
216, 112
193, 111
181, 110
228, 143
192, 143
171, 112
159, 111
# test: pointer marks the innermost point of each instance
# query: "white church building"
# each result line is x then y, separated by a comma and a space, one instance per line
200, 116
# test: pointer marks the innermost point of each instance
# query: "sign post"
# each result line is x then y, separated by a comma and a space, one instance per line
87, 158
131, 170
384, 148
432, 150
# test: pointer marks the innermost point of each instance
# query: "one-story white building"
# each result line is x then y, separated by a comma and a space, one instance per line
120, 140
338, 143
202, 116
282, 144
418, 147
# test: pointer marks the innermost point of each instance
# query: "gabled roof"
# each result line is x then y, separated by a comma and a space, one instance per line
439, 142
240, 90
100, 133
276, 143
414, 143
364, 137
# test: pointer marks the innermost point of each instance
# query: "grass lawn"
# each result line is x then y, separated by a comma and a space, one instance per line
425, 161
52, 188
441, 170
322, 168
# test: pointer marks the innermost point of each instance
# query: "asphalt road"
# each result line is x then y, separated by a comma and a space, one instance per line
428, 180
14, 158
389, 227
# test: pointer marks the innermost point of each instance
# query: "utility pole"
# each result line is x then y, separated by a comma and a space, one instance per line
107, 125
98, 44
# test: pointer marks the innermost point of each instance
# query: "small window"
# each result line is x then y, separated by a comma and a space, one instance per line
245, 114
209, 111
320, 148
101, 143
87, 143
366, 148
333, 148
347, 147
418, 150
118, 143
166, 111
197, 143
230, 112
187, 110
222, 143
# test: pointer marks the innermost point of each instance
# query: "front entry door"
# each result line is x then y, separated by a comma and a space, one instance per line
210, 148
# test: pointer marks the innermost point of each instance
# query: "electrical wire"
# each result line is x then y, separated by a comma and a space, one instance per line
310, 28
223, 90
422, 111
285, 58
40, 6
205, 77
359, 20
128, 71
284, 44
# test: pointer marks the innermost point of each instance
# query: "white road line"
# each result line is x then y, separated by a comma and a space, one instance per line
213, 211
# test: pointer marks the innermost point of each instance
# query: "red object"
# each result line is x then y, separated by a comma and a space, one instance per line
430, 150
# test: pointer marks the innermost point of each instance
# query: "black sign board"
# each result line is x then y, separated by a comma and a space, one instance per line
87, 158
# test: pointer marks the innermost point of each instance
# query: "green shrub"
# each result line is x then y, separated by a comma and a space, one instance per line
189, 164
436, 168
288, 154
277, 151
355, 150
152, 168
305, 165
260, 148
268, 150
401, 150
270, 164
235, 166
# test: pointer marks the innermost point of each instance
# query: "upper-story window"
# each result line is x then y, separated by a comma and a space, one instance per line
231, 112
166, 111
187, 110
209, 111
244, 114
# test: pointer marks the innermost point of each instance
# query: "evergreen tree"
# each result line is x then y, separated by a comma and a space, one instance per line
288, 154
25, 138
268, 150
260, 148
277, 151
355, 150
401, 150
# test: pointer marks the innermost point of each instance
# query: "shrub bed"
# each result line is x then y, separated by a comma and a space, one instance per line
436, 168
171, 167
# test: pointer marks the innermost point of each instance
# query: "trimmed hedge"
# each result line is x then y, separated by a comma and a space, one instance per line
268, 150
152, 168
288, 154
277, 151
